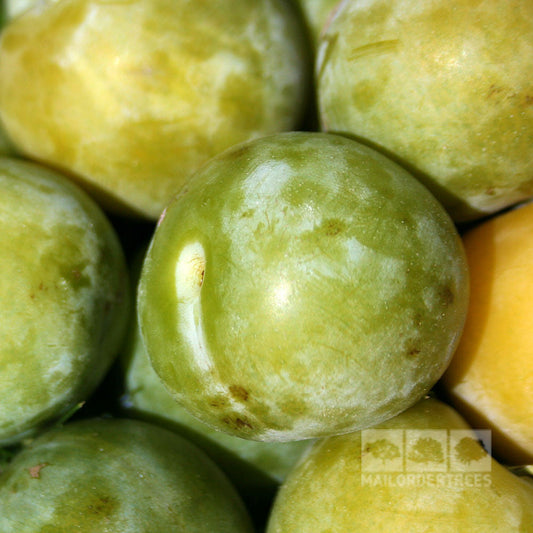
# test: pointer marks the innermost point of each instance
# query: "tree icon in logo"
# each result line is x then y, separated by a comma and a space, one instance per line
384, 450
427, 450
468, 450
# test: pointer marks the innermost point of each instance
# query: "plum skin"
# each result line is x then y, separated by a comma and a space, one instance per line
444, 88
301, 285
64, 297
131, 97
328, 487
120, 475
255, 468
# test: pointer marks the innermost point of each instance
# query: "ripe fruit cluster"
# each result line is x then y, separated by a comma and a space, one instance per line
266, 265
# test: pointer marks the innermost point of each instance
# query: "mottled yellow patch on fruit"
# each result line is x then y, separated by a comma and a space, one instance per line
63, 305
352, 483
132, 97
444, 88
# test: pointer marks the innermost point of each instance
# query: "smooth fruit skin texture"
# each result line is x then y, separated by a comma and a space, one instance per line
132, 96
443, 87
301, 285
331, 490
117, 476
255, 468
490, 378
64, 300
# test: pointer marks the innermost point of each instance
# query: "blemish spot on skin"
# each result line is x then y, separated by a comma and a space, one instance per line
447, 296
35, 471
239, 392
494, 90
332, 227
413, 352
237, 422
240, 422
101, 506
218, 401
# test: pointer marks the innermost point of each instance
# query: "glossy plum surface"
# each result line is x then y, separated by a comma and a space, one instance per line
301, 285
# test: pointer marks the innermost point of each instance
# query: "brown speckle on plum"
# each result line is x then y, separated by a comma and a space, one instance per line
333, 227
102, 505
237, 422
35, 471
219, 401
494, 90
447, 296
239, 392
413, 351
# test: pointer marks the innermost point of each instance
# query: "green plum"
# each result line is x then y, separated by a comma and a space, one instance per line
132, 96
423, 470
252, 465
255, 468
300, 285
117, 476
64, 300
443, 87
